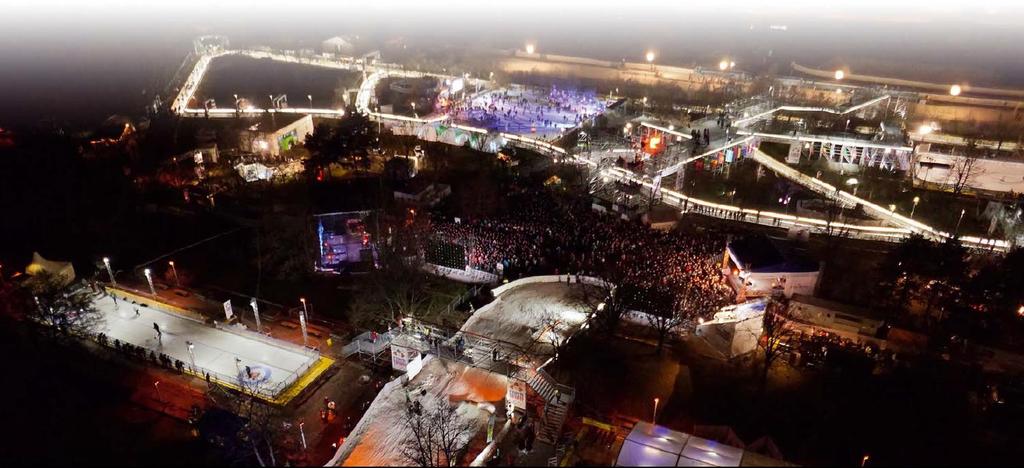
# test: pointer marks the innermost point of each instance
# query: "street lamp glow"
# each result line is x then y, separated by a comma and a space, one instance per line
723, 65
954, 90
149, 279
530, 48
840, 75
650, 56
732, 64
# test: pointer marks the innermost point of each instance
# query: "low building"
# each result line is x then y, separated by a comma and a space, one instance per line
759, 266
338, 45
266, 138
834, 316
947, 167
735, 330
662, 218
421, 193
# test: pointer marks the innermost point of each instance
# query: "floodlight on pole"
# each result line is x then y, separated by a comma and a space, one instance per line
110, 272
916, 201
954, 90
957, 230
310, 97
840, 75
256, 314
723, 65
174, 272
149, 279
654, 419
302, 322
192, 354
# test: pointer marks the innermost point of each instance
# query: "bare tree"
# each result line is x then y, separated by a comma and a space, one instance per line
965, 168
775, 332
439, 437
690, 302
262, 424
65, 311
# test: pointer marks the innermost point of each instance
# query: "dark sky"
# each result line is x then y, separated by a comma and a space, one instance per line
61, 57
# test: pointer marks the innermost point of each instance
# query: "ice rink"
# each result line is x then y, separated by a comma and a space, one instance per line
540, 113
224, 354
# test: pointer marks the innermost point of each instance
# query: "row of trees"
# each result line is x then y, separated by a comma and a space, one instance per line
941, 282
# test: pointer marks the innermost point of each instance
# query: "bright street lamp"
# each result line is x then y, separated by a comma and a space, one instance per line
723, 65
852, 182
192, 354
310, 97
954, 90
957, 230
149, 279
530, 48
110, 272
256, 314
174, 271
840, 75
916, 200
654, 420
302, 321
650, 56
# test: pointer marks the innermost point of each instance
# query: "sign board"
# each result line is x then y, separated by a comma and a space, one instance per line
414, 366
228, 313
401, 356
794, 154
490, 428
516, 394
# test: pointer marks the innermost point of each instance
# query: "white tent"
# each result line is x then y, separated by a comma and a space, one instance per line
63, 271
652, 445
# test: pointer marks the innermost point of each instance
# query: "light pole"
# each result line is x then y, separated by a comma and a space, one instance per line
645, 106
864, 461
650, 58
916, 200
272, 106
414, 114
149, 279
957, 230
192, 354
302, 434
530, 49
174, 271
852, 182
302, 321
310, 97
256, 314
110, 272
654, 420
159, 397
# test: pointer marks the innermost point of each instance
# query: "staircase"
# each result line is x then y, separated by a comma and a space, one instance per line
557, 398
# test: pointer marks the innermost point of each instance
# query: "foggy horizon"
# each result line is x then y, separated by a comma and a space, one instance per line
55, 39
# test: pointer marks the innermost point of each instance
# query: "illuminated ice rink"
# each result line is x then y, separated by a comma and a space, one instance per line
273, 364
536, 112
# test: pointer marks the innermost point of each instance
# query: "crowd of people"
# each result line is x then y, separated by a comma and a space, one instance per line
543, 236
527, 110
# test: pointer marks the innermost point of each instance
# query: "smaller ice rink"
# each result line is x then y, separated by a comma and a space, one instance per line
224, 353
